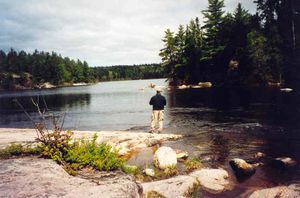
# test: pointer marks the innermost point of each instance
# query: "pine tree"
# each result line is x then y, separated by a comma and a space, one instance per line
168, 53
213, 24
269, 11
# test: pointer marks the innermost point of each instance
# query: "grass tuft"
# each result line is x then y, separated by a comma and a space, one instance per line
192, 164
20, 150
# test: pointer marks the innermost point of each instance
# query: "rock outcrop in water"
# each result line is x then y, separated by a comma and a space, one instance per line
283, 163
211, 180
181, 155
241, 168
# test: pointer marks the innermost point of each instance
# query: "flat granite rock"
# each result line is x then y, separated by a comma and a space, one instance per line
124, 141
290, 191
171, 188
211, 180
35, 177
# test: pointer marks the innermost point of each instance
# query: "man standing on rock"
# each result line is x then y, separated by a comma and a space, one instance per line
158, 102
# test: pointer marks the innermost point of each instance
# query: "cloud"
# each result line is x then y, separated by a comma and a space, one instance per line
106, 32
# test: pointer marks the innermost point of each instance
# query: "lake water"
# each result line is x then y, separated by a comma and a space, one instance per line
104, 106
219, 124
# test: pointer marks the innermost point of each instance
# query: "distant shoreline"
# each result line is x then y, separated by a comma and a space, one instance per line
48, 85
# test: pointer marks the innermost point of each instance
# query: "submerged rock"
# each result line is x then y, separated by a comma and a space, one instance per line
283, 163
212, 180
277, 192
241, 168
165, 157
181, 155
259, 155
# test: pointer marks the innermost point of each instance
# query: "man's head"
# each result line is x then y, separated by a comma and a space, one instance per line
158, 89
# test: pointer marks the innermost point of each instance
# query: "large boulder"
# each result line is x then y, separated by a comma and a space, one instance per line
165, 157
241, 168
212, 180
36, 177
178, 186
290, 191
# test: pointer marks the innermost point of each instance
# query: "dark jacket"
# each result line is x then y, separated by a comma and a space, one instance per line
158, 101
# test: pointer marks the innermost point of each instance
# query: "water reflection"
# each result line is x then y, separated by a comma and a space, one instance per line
227, 123
12, 115
52, 102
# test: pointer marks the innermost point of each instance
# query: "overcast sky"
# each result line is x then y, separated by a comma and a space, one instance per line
102, 32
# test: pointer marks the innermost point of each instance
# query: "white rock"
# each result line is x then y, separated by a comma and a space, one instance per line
212, 180
171, 188
182, 155
165, 157
286, 89
279, 191
183, 87
47, 85
196, 86
150, 172
205, 84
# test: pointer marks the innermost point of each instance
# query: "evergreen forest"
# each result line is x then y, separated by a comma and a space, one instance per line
237, 48
21, 70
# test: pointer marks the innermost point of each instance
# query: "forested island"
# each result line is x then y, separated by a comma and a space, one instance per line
129, 72
21, 70
238, 48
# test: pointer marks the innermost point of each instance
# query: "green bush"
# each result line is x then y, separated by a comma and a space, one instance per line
56, 143
85, 153
72, 154
18, 149
131, 169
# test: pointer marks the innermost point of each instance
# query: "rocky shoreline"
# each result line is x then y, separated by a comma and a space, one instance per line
37, 177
